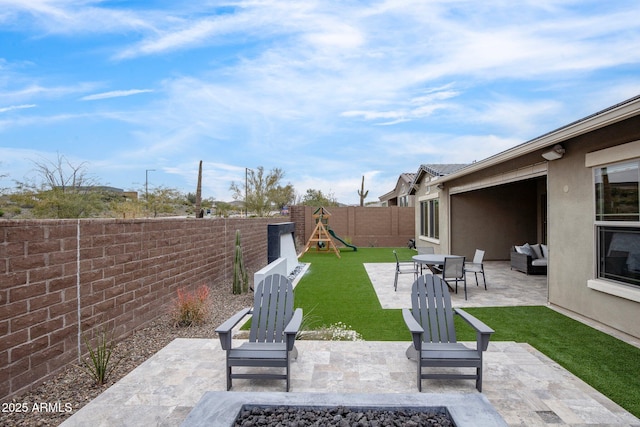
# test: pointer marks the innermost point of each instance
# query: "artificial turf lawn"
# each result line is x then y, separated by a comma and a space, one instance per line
339, 290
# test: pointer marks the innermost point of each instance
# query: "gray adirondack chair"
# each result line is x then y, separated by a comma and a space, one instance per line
274, 326
430, 321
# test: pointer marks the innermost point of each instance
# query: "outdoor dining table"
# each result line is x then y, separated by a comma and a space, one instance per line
432, 261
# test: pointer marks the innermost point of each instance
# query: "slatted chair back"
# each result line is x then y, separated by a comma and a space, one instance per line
272, 309
431, 307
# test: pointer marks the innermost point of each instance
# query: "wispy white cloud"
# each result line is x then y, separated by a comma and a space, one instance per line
72, 17
37, 91
114, 94
417, 107
39, 120
16, 107
412, 81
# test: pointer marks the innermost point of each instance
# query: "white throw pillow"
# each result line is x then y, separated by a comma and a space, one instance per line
537, 251
545, 251
526, 250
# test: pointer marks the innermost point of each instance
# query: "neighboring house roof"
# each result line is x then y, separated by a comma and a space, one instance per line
436, 170
440, 169
606, 117
404, 178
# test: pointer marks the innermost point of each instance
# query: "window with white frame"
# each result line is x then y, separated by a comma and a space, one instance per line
618, 221
429, 219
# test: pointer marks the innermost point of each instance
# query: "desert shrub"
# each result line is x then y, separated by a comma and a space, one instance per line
100, 364
191, 308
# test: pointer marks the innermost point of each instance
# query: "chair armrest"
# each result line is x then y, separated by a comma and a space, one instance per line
292, 328
483, 332
224, 330
414, 327
520, 257
521, 262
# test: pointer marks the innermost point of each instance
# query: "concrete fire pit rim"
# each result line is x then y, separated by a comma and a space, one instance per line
221, 408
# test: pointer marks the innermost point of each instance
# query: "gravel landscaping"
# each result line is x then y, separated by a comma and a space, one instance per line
58, 398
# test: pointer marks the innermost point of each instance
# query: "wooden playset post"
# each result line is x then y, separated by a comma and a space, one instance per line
320, 236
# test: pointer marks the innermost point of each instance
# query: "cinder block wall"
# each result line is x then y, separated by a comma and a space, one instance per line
391, 226
116, 274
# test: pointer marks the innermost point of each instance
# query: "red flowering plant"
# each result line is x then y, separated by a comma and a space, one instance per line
191, 308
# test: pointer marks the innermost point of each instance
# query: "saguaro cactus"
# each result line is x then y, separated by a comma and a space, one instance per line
363, 194
240, 276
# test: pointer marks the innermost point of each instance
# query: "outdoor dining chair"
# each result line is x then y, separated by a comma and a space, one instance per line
453, 271
404, 268
477, 266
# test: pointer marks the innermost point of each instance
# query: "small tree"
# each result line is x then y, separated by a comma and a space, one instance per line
317, 198
62, 190
222, 209
163, 200
262, 193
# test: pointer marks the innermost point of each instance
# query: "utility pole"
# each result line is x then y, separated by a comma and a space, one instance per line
146, 188
246, 211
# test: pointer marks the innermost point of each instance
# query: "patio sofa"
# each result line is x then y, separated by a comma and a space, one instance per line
530, 259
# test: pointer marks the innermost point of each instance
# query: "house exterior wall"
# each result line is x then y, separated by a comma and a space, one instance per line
129, 271
567, 184
494, 219
572, 261
468, 204
428, 190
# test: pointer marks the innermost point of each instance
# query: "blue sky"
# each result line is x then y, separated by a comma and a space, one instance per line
326, 90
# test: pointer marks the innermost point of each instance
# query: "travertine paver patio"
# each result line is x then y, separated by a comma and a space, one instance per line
505, 287
526, 387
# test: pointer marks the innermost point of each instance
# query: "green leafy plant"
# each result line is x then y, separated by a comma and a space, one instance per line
191, 308
99, 364
240, 276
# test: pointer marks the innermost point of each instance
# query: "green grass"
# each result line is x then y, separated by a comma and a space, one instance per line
338, 289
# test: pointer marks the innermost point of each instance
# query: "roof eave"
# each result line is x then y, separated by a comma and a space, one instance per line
607, 117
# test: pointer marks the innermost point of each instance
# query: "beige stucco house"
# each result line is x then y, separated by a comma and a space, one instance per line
400, 196
575, 189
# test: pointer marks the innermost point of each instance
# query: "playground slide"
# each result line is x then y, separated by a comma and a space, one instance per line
355, 248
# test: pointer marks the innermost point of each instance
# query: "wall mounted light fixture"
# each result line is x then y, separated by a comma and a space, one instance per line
555, 153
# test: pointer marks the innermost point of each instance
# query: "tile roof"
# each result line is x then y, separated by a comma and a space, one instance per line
442, 169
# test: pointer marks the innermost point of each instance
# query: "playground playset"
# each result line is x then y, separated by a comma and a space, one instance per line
322, 235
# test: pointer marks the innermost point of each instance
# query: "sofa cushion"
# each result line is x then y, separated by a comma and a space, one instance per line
545, 251
537, 250
540, 262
